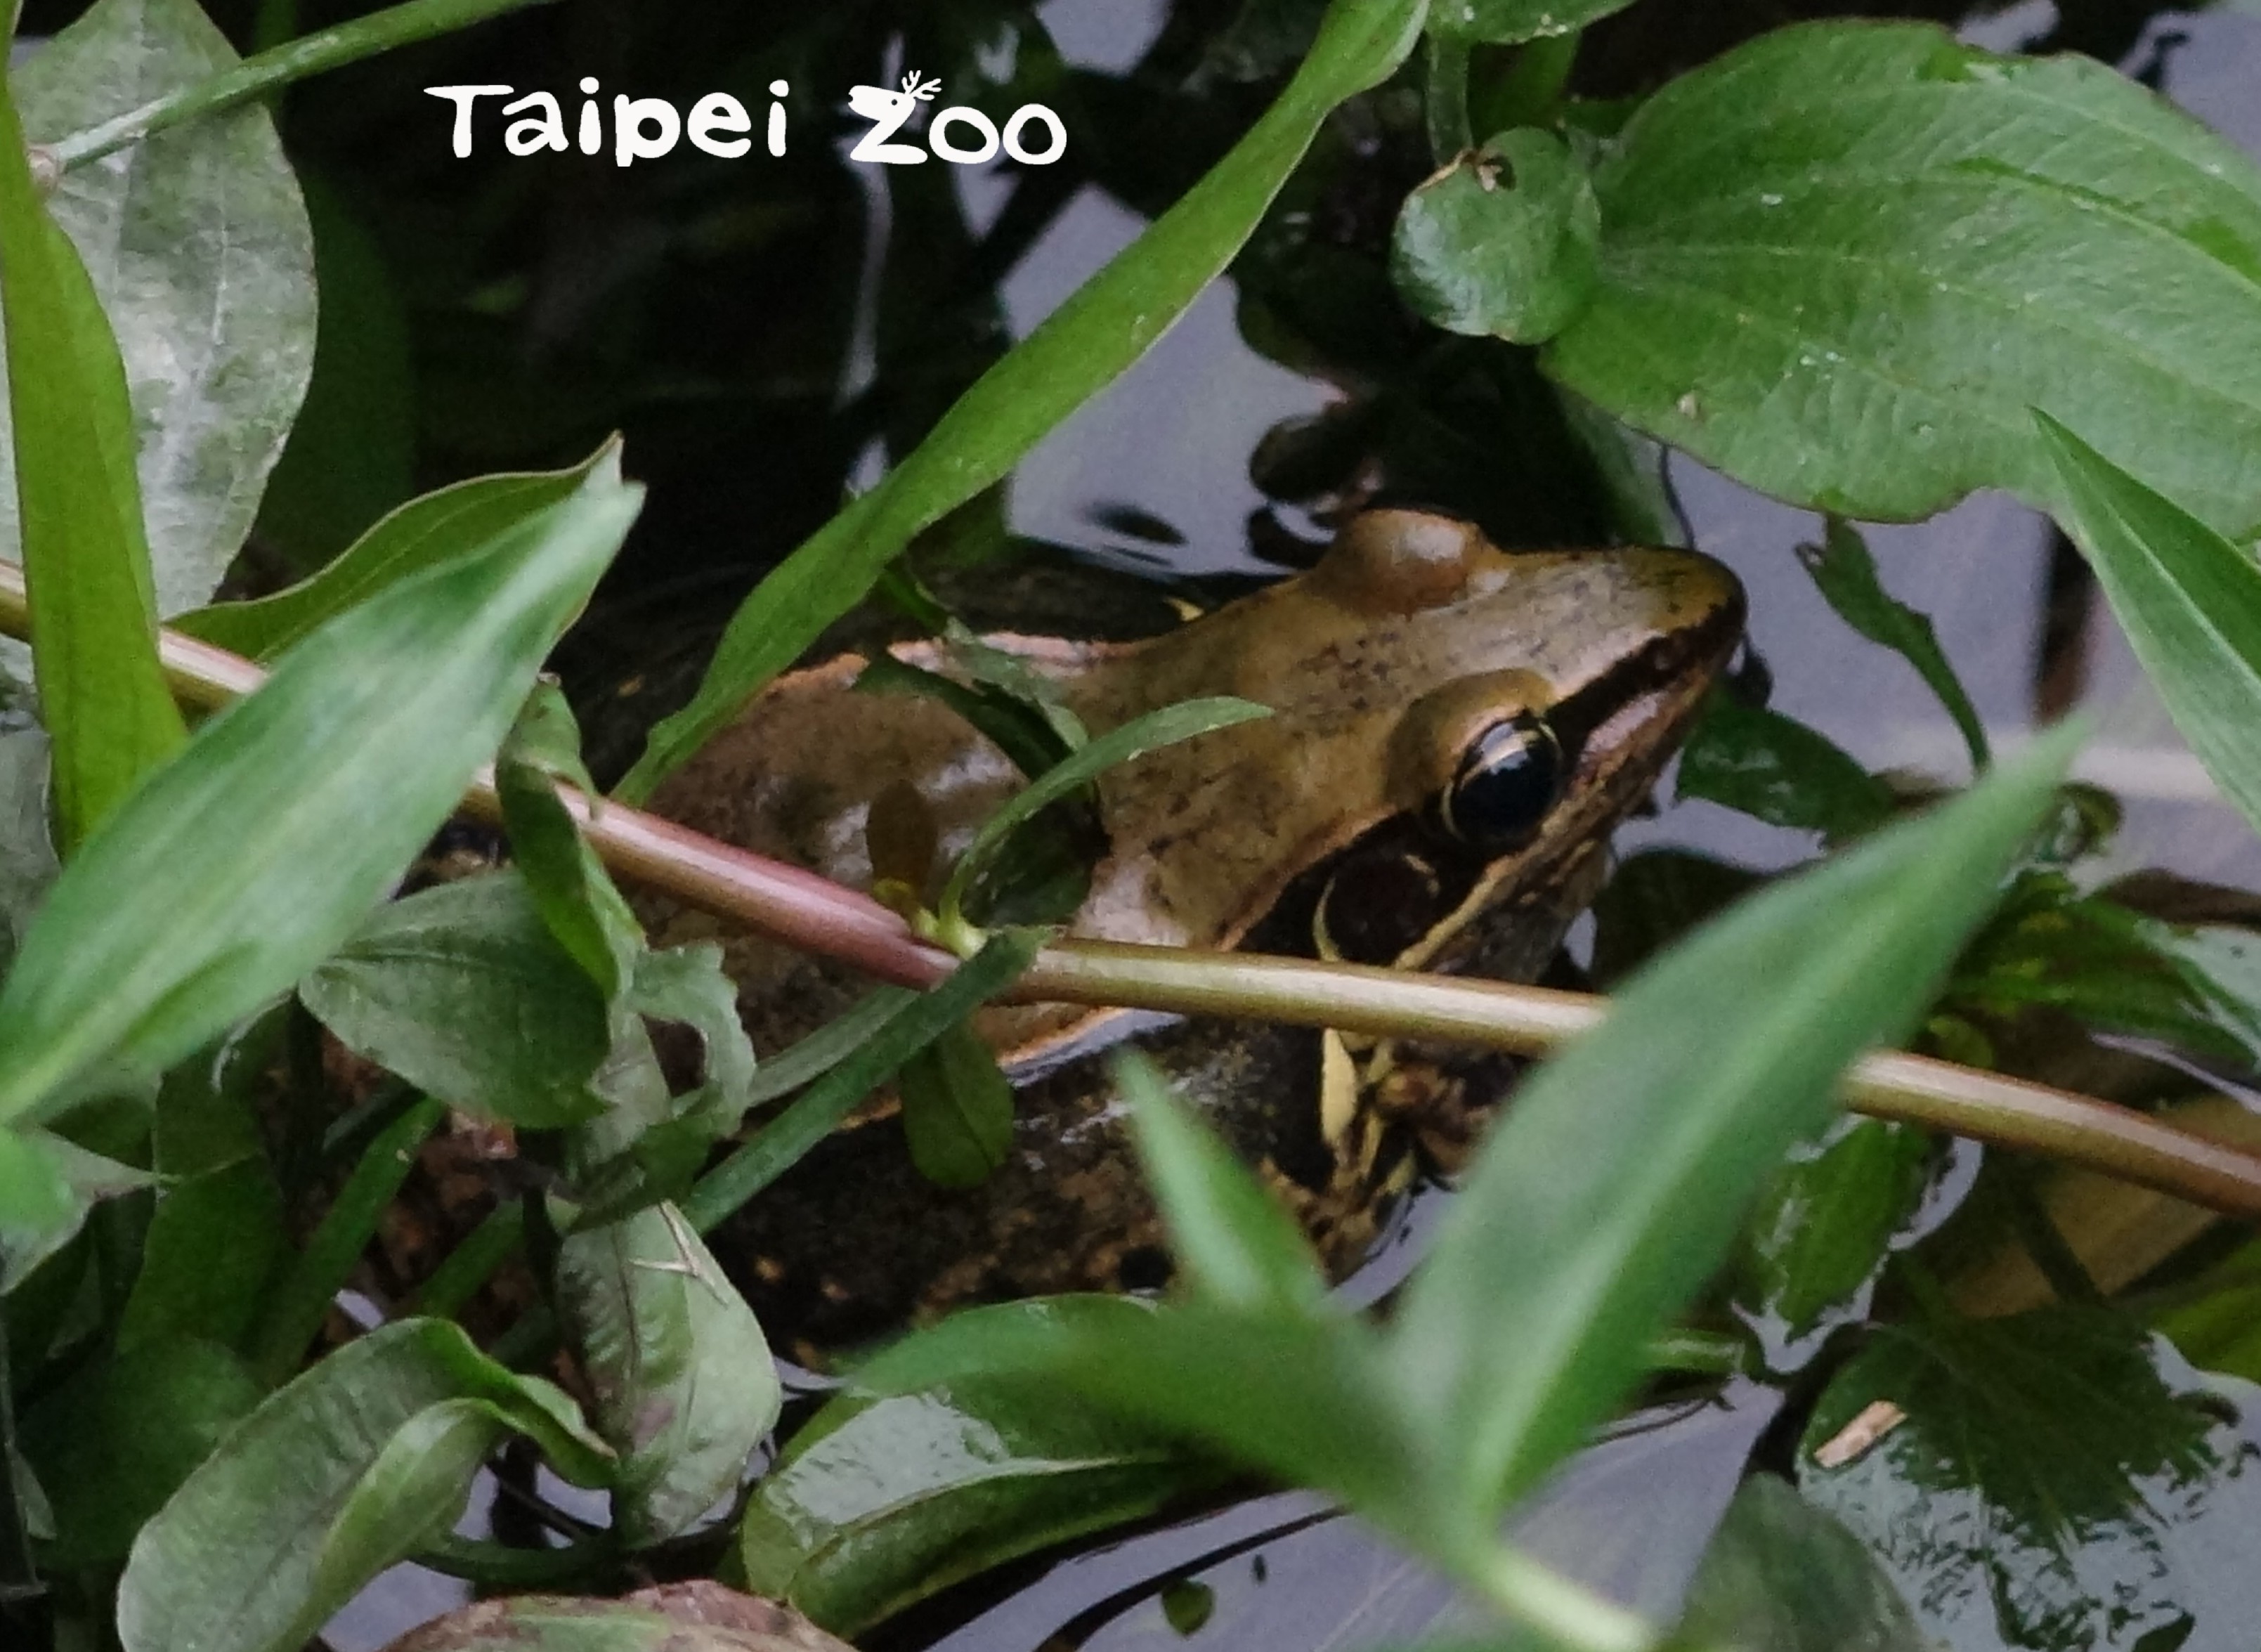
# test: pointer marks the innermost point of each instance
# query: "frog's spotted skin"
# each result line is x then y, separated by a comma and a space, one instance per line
1313, 831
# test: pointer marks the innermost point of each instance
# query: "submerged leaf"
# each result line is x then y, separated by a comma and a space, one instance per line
1782, 1576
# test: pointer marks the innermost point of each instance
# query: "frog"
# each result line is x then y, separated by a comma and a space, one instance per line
1455, 733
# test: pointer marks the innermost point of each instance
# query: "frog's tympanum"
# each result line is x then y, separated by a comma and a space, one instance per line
1456, 731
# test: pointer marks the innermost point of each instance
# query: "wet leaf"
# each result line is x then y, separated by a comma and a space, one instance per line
334, 1477
1775, 769
198, 242
112, 1446
1505, 240
879, 1504
685, 1389
1826, 1222
421, 535
1845, 575
2189, 601
240, 865
692, 1616
1613, 1188
78, 516
1505, 22
2060, 1479
958, 1109
1782, 1576
462, 991
1110, 322
1842, 261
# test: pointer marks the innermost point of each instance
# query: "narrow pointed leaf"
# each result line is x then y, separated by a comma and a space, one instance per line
86, 559
1613, 1188
1507, 22
243, 863
1845, 573
1084, 346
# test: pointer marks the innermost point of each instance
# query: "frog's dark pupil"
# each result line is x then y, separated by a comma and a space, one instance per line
1509, 779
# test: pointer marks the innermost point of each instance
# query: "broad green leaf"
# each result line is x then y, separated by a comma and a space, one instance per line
462, 991
1782, 1576
1503, 242
903, 1023
1188, 720
690, 1617
198, 243
48, 1186
238, 866
958, 1109
1236, 1243
421, 535
331, 1480
1505, 22
1654, 899
1777, 769
879, 1504
585, 913
2060, 1479
1112, 321
683, 1381
111, 1447
1841, 262
2189, 601
1845, 575
2217, 1324
1824, 1221
79, 525
1613, 1188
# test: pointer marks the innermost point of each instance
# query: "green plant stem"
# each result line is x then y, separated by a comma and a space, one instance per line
295, 61
798, 909
499, 1567
1450, 131
1568, 1613
468, 1267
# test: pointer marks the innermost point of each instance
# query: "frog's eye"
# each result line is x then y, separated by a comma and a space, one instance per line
1508, 781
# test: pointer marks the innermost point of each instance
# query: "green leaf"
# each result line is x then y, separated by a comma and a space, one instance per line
111, 1447
958, 1109
1654, 899
1187, 720
1841, 262
85, 555
685, 1388
28, 864
198, 242
1777, 769
421, 535
879, 1503
1782, 1576
48, 1186
1824, 1221
1612, 1189
1310, 1400
242, 865
218, 1236
462, 991
1112, 321
902, 1023
1506, 22
584, 912
2060, 1480
1505, 240
334, 1478
1235, 1242
2189, 601
1845, 575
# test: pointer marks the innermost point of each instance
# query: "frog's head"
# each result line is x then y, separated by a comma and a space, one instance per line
1456, 731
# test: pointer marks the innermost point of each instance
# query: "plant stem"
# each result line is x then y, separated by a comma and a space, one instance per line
294, 60
1565, 1611
798, 909
1451, 132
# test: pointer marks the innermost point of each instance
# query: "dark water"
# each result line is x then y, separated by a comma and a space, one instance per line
1172, 441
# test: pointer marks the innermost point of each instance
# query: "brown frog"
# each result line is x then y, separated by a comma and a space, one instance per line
1456, 731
